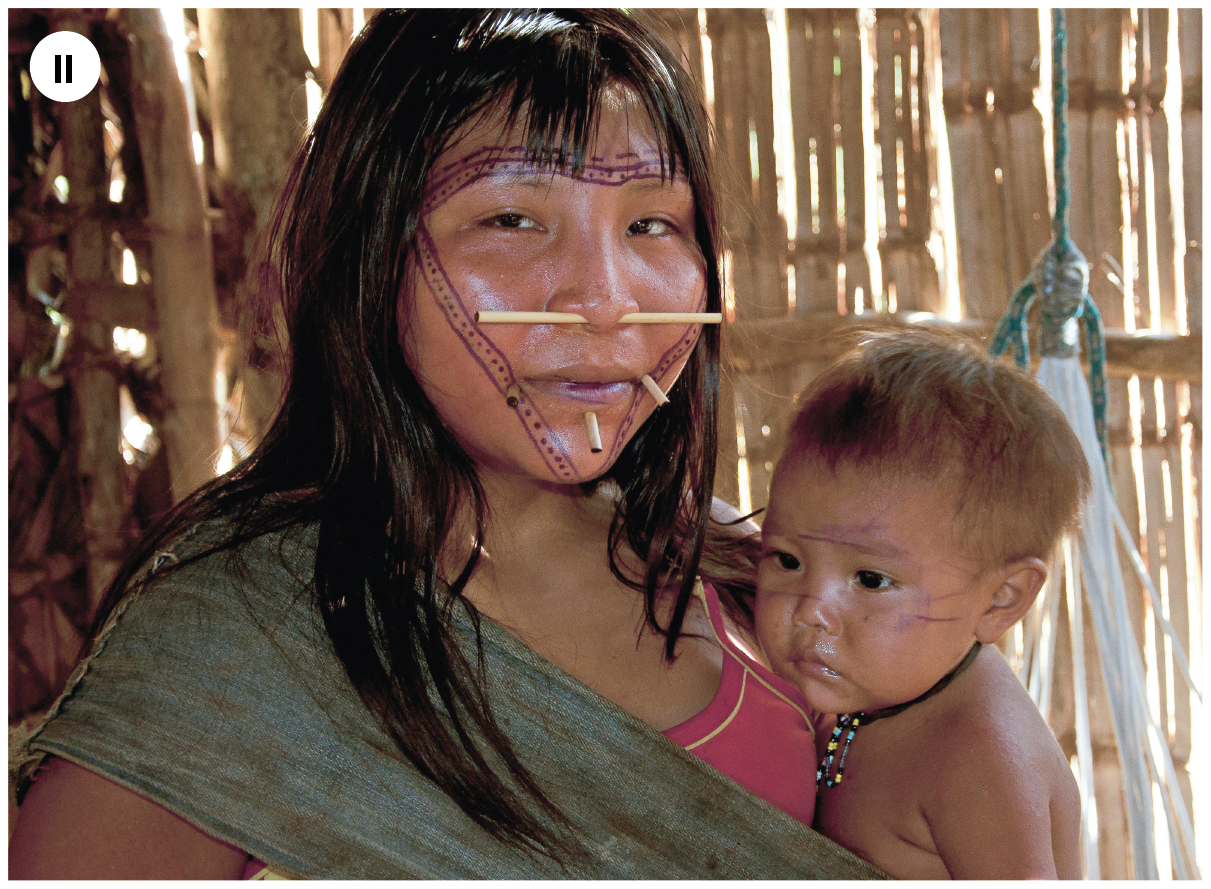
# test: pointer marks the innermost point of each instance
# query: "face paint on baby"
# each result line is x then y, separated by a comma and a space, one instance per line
499, 233
864, 597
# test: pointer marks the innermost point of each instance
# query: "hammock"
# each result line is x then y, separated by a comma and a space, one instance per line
1089, 563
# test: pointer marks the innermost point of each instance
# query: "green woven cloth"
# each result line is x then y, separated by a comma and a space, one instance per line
214, 692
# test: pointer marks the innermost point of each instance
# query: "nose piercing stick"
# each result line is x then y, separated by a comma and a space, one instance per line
590, 423
573, 318
513, 395
672, 318
654, 390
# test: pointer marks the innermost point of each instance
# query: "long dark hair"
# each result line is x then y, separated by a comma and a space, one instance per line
360, 448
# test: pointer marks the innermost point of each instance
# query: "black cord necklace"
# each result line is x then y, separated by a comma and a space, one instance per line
850, 722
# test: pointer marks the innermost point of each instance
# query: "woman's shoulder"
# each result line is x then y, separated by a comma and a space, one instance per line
218, 639
213, 577
236, 546
202, 600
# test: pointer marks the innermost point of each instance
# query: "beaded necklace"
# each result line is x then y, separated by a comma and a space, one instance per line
849, 722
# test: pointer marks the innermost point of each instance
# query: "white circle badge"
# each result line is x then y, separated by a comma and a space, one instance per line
65, 66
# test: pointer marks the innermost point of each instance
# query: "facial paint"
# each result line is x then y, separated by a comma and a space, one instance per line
493, 161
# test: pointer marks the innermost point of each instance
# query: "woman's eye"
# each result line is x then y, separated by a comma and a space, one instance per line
512, 220
649, 227
787, 562
873, 580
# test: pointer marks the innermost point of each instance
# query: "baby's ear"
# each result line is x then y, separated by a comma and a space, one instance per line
1016, 586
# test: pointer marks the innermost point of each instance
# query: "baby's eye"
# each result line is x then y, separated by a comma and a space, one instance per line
873, 580
787, 562
649, 227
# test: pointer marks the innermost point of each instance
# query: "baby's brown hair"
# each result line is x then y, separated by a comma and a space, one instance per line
935, 408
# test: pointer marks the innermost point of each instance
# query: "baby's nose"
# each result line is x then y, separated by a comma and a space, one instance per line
816, 613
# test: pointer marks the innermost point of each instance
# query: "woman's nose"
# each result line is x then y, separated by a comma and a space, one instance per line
595, 279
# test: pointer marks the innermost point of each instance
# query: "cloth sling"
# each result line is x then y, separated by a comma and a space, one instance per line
214, 692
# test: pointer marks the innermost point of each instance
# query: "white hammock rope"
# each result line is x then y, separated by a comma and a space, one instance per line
1084, 737
1098, 585
1179, 656
1042, 666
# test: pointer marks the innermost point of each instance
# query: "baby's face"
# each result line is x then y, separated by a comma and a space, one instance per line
864, 600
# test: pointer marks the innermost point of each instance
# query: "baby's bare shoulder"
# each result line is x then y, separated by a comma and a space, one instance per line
991, 718
998, 777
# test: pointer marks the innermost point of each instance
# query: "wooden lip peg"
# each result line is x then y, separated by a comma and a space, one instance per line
654, 390
513, 395
590, 423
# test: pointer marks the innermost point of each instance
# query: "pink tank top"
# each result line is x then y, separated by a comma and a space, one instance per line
757, 730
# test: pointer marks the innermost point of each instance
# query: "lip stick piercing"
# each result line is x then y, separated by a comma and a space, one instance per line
572, 318
590, 424
513, 395
654, 390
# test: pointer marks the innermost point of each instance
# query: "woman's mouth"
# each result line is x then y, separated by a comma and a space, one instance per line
587, 393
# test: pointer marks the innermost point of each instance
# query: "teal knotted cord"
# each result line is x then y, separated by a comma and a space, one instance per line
1060, 277
1059, 121
1096, 343
1011, 329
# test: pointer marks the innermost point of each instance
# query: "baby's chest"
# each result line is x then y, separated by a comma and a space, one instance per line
875, 810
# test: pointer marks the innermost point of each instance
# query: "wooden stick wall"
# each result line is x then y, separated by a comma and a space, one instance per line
871, 238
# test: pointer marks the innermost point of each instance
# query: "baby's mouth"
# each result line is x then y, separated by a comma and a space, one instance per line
810, 661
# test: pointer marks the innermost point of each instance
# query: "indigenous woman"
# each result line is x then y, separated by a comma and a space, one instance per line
436, 625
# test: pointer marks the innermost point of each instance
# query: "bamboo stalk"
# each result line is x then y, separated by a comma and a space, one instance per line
789, 341
95, 419
182, 267
255, 67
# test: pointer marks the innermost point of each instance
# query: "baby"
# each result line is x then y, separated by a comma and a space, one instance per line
922, 487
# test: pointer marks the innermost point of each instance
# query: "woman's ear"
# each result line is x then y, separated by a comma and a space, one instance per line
1016, 586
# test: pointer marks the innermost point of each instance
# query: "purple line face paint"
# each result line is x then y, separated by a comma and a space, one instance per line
500, 233
864, 598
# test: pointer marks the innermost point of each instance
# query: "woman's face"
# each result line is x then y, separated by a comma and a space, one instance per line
502, 234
